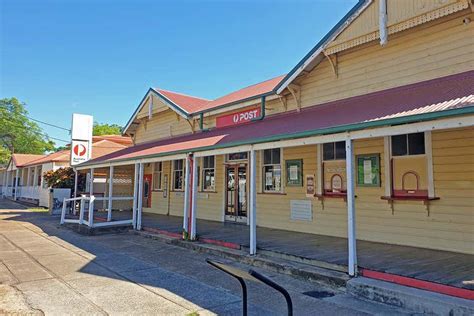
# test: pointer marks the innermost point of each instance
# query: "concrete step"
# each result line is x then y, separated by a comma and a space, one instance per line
413, 299
88, 231
299, 270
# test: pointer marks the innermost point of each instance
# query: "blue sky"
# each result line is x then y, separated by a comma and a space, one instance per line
100, 57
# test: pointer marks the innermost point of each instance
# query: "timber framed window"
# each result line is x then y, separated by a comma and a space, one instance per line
157, 175
272, 170
333, 169
178, 175
409, 166
208, 173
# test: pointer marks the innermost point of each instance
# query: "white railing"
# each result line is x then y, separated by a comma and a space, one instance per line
29, 192
90, 219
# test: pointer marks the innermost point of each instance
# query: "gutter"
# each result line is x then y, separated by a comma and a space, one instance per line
317, 132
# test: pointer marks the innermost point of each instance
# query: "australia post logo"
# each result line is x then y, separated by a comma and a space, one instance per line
79, 152
238, 118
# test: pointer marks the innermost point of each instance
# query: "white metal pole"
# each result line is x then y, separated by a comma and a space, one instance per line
135, 197
91, 211
194, 189
16, 183
186, 195
140, 197
253, 202
351, 228
75, 183
81, 211
111, 187
63, 212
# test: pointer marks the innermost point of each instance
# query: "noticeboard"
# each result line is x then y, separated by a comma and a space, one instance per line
368, 170
294, 172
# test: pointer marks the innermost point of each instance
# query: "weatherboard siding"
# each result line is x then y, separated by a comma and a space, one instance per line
448, 226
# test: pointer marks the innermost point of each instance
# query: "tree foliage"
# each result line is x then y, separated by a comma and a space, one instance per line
63, 178
19, 134
106, 129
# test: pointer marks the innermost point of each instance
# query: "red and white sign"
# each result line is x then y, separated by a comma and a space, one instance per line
238, 118
79, 152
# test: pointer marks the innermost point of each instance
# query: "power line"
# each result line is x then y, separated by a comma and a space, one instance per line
42, 122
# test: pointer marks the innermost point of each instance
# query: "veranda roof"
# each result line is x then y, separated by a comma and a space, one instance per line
437, 98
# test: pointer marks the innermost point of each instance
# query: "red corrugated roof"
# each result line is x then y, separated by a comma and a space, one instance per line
452, 92
242, 94
193, 104
186, 102
21, 159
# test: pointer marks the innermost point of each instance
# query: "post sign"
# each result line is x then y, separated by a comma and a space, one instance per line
81, 138
238, 118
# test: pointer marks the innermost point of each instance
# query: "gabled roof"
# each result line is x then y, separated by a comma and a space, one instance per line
102, 145
251, 92
428, 100
22, 159
187, 105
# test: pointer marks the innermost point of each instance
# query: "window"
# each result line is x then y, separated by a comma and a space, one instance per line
334, 151
208, 173
178, 173
272, 170
408, 144
157, 172
237, 156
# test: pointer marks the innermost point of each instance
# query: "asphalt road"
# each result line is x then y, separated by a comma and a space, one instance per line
51, 270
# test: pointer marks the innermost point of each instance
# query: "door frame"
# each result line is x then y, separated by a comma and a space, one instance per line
234, 218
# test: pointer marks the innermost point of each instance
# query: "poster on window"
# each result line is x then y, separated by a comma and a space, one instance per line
368, 170
294, 172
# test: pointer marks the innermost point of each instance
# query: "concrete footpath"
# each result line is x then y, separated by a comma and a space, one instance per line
46, 269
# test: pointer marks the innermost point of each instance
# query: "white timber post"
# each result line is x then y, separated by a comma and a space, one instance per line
35, 176
140, 197
186, 195
194, 189
319, 176
429, 161
16, 183
135, 197
91, 182
253, 202
111, 187
351, 227
387, 166
4, 187
81, 211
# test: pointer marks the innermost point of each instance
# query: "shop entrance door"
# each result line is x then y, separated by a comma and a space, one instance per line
236, 193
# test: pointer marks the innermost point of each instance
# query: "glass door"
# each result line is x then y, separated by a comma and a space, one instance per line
236, 193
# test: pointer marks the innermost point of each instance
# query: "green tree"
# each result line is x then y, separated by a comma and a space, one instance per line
106, 129
18, 134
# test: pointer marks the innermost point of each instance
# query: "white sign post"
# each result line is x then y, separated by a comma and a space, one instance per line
81, 138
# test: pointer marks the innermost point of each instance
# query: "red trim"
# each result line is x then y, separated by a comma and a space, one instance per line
419, 284
221, 243
163, 232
